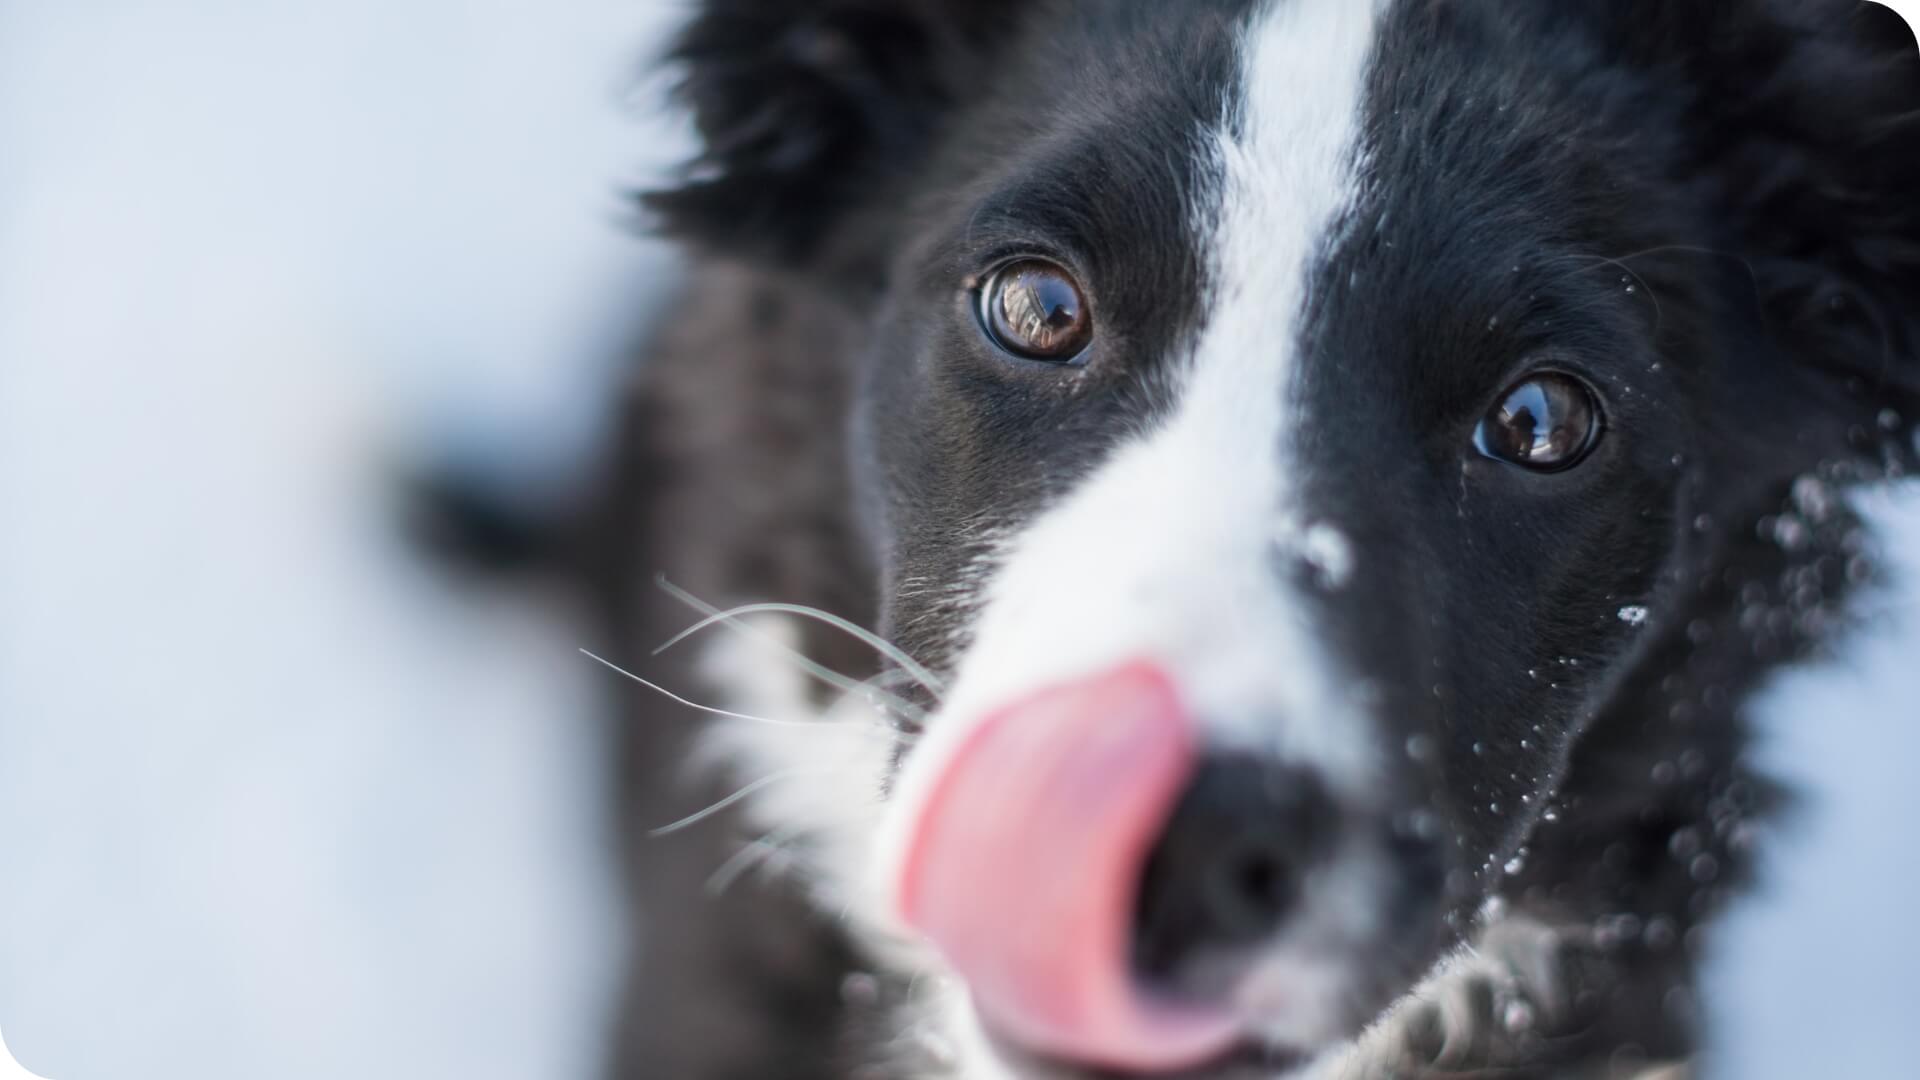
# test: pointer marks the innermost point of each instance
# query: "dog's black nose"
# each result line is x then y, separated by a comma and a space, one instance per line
1230, 866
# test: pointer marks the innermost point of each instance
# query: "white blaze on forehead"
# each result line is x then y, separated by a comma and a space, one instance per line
1168, 550
1171, 550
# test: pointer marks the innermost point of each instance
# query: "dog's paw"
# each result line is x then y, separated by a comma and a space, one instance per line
1492, 1007
1505, 1008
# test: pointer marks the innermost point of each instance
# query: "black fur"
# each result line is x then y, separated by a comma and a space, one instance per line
812, 112
1705, 208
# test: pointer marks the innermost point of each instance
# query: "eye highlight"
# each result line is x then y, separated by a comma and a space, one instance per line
1035, 310
1547, 423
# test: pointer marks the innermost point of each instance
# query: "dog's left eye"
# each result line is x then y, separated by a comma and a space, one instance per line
1547, 423
1035, 310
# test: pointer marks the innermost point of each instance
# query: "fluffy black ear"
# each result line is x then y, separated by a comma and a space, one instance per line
806, 106
1810, 131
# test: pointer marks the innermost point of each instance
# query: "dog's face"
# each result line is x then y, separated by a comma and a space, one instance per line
1346, 429
1284, 426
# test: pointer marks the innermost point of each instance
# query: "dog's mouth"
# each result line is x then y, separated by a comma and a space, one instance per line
1019, 863
1021, 853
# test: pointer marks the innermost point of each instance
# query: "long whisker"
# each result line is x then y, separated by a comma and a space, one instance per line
903, 720
879, 644
827, 675
1687, 249
732, 800
709, 709
1659, 313
824, 674
755, 854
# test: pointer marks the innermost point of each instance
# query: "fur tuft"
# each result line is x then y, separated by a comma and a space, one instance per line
806, 108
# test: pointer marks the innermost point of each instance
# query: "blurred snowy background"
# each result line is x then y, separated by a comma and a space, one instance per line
278, 801
275, 799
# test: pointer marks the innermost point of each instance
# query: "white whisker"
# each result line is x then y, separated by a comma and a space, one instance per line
709, 709
754, 855
732, 800
731, 618
879, 644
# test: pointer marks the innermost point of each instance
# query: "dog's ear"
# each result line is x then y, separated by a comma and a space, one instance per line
805, 107
1808, 127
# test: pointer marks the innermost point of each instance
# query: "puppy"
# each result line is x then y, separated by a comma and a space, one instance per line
1327, 477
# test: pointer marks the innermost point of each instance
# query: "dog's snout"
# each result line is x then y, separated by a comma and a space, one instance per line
1099, 878
1230, 865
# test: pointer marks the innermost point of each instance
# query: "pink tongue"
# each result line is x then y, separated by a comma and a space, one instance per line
1023, 861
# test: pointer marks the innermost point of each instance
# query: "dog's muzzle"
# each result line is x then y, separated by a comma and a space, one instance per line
1078, 852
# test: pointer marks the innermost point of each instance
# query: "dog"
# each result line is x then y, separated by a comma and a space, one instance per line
1235, 538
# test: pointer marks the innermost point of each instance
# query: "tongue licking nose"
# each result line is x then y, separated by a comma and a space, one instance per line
1024, 858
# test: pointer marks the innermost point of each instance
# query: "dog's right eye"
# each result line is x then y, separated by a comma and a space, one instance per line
1548, 423
1035, 310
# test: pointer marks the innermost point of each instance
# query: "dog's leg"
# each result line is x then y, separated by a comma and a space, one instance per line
1527, 1001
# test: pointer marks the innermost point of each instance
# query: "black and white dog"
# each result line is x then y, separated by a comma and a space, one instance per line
1328, 473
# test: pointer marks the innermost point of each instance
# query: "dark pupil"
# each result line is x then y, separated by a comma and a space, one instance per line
1543, 422
1040, 311
1528, 416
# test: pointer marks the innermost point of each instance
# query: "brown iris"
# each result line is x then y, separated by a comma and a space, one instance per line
1035, 310
1545, 423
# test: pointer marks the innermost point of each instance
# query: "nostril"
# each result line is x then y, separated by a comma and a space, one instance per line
1017, 853
1229, 868
1250, 888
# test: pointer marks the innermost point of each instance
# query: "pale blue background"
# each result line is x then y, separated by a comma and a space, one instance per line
273, 802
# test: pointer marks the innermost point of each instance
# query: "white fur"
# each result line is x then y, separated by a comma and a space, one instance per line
830, 760
1168, 550
1297, 996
